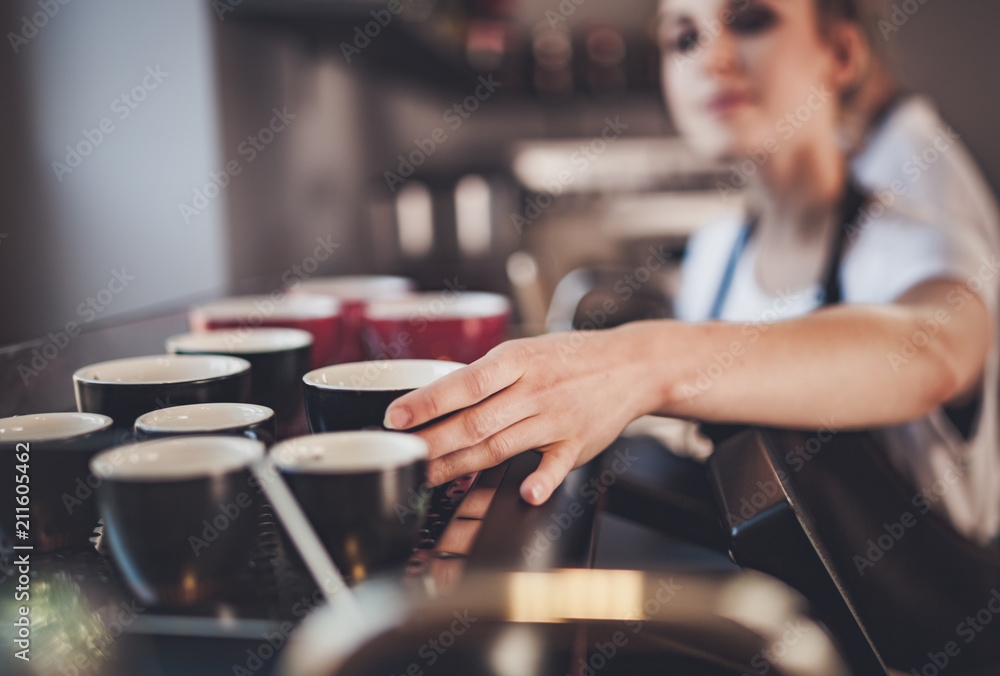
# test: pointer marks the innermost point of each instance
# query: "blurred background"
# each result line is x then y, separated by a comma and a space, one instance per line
156, 154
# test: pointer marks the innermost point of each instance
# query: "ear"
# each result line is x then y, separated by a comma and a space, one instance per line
851, 55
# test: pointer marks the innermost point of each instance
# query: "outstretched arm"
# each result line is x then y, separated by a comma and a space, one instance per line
569, 395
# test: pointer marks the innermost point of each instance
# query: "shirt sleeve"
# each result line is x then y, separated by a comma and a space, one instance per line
896, 252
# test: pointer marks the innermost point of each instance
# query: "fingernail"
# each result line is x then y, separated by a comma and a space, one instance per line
397, 418
536, 493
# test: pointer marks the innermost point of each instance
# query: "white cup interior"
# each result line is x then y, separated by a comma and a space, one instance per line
440, 305
177, 458
393, 374
358, 287
263, 308
161, 369
240, 341
51, 426
349, 452
194, 417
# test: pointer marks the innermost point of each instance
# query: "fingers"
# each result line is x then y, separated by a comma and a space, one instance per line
503, 445
477, 424
457, 390
555, 466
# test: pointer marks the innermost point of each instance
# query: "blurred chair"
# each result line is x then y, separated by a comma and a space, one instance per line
603, 298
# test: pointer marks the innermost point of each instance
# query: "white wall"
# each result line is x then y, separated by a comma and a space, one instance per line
119, 208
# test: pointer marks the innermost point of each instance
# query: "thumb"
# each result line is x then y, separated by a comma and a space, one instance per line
551, 472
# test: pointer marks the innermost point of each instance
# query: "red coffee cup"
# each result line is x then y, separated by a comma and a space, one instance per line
450, 325
319, 315
354, 292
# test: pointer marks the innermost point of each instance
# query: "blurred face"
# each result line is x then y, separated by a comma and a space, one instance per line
746, 75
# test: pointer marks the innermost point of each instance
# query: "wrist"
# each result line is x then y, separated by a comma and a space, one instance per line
648, 369
672, 364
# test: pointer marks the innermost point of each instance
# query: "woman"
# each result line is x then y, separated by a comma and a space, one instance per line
819, 307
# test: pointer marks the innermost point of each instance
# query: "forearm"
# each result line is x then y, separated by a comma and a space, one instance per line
844, 365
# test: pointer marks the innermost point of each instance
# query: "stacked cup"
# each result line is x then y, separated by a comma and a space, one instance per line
355, 293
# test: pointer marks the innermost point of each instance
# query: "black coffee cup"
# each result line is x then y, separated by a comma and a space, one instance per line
278, 360
124, 389
356, 396
362, 493
246, 420
46, 478
180, 515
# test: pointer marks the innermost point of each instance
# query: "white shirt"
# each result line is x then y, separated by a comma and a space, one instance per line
941, 222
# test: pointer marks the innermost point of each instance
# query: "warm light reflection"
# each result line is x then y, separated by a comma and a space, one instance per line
760, 606
189, 583
625, 165
809, 651
415, 216
574, 595
473, 215
516, 652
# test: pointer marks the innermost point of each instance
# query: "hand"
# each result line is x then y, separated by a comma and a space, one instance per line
567, 395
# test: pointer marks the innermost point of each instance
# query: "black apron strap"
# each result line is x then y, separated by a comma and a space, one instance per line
851, 207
